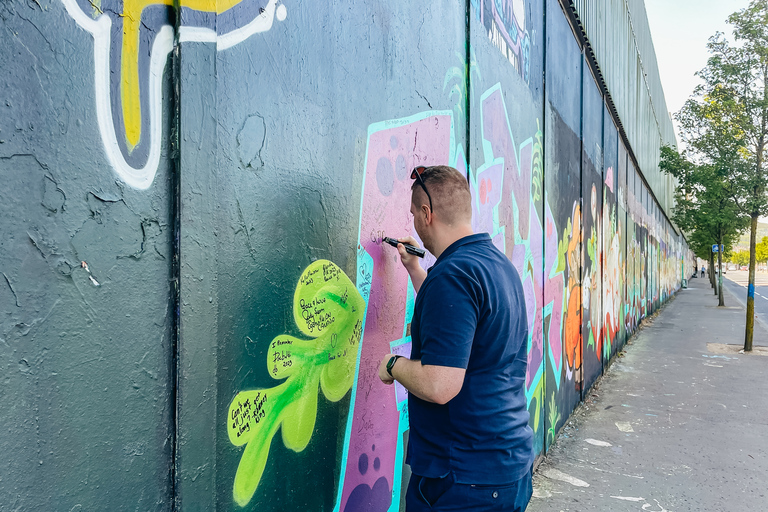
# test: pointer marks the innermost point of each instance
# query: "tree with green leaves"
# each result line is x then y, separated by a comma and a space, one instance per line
740, 258
761, 251
725, 123
704, 208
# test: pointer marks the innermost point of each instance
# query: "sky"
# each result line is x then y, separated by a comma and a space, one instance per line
685, 26
680, 30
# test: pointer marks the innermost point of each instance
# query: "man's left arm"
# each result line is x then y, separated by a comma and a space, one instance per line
437, 384
446, 326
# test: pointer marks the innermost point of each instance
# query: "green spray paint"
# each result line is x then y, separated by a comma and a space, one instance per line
329, 310
554, 419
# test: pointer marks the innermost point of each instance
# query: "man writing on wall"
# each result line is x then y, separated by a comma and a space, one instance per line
470, 446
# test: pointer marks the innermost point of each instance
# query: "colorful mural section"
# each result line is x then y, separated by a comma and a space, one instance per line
613, 264
379, 414
592, 225
516, 172
565, 240
329, 312
621, 229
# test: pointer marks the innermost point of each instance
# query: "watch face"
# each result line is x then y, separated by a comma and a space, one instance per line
391, 362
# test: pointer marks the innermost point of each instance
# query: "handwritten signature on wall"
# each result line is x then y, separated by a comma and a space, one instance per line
329, 311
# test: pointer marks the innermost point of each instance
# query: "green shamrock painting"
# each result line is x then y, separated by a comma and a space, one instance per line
329, 312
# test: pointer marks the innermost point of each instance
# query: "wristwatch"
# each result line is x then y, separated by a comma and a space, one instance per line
391, 364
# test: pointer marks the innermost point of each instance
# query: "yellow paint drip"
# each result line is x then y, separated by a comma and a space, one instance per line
130, 93
210, 5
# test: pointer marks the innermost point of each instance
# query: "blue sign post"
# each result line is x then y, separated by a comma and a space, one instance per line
719, 249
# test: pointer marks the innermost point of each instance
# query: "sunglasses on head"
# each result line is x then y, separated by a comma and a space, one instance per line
416, 175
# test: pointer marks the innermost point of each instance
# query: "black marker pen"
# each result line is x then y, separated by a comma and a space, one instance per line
408, 247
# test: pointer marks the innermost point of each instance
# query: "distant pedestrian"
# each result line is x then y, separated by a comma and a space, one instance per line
703, 269
470, 447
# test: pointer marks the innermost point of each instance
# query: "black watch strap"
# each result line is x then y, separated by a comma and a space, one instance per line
391, 364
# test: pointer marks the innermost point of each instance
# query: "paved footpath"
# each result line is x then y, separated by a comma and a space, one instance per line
679, 423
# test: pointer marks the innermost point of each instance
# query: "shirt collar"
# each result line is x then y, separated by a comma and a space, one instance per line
470, 239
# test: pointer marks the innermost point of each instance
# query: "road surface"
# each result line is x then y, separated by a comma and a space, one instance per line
735, 281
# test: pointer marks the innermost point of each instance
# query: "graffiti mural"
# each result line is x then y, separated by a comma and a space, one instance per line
131, 43
592, 168
621, 229
612, 271
273, 296
505, 25
613, 265
566, 208
329, 310
564, 235
520, 223
563, 283
379, 416
505, 190
639, 249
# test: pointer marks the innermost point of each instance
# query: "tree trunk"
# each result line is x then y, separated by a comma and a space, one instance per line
711, 271
721, 300
750, 328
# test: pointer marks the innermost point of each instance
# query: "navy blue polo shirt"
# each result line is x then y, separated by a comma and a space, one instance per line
470, 313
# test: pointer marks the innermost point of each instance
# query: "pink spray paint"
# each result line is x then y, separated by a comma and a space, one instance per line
394, 148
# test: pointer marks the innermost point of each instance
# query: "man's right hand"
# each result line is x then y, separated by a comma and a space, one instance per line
408, 260
411, 262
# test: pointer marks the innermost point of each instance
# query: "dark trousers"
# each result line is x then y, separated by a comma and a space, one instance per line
439, 494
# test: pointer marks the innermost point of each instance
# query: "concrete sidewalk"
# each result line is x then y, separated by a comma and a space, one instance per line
679, 423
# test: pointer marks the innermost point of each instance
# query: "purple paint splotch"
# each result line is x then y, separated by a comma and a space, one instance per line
370, 499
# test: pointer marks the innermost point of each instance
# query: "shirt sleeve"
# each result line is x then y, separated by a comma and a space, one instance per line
448, 321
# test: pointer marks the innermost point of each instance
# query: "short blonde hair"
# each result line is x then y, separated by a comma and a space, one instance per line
449, 189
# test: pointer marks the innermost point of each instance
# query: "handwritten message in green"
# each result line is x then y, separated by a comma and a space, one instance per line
329, 311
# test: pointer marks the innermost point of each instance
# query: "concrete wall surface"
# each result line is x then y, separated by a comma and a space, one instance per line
193, 298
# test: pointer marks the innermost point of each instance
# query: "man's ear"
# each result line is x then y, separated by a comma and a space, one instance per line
427, 212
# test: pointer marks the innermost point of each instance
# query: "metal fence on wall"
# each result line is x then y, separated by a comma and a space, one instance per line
620, 37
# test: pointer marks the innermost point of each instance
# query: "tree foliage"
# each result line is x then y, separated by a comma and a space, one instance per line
725, 123
761, 250
740, 258
704, 205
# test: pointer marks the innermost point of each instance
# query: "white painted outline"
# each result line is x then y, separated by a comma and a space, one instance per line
99, 28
